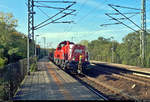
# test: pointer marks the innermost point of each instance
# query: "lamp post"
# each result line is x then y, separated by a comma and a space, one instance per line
39, 49
44, 39
112, 57
35, 43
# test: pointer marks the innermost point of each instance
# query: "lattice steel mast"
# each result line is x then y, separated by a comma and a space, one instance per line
30, 29
143, 32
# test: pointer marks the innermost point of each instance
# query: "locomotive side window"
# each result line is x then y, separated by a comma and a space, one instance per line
78, 51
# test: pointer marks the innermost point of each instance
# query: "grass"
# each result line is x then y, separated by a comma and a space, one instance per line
33, 67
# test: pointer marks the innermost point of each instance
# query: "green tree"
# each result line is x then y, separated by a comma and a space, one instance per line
12, 43
84, 42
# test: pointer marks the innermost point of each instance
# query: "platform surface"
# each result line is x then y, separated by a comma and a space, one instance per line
51, 83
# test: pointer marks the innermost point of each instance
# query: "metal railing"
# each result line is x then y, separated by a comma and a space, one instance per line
11, 77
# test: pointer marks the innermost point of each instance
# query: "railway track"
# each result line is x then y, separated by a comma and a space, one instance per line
116, 94
125, 75
95, 86
124, 70
136, 86
137, 81
97, 92
109, 91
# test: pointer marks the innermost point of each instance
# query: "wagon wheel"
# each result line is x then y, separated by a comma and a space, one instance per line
79, 70
63, 67
84, 69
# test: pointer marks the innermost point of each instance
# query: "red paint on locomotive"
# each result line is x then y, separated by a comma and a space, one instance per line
67, 55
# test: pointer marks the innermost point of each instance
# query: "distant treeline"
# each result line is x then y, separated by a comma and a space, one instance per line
127, 52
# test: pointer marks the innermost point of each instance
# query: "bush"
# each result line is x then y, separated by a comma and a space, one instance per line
1, 89
33, 66
2, 62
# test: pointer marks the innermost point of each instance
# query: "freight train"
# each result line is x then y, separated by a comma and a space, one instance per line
71, 57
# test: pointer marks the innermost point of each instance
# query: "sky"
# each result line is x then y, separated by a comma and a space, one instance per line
89, 15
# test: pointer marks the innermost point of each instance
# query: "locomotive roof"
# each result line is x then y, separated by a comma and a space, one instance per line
65, 42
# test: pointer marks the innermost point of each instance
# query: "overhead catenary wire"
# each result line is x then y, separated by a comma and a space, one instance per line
85, 16
48, 15
37, 26
125, 16
57, 1
43, 12
120, 22
124, 13
83, 4
53, 21
47, 6
117, 19
69, 28
110, 24
125, 7
89, 13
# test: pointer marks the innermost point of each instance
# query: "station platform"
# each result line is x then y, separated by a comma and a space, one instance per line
127, 67
51, 83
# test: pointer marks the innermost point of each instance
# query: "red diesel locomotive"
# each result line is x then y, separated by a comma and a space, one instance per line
68, 56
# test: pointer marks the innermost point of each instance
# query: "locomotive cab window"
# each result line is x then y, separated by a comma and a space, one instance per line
62, 45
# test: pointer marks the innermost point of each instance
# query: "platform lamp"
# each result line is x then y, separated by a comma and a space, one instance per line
35, 43
112, 48
39, 49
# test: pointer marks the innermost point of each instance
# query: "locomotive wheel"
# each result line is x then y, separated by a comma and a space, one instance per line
79, 71
56, 62
84, 69
64, 67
